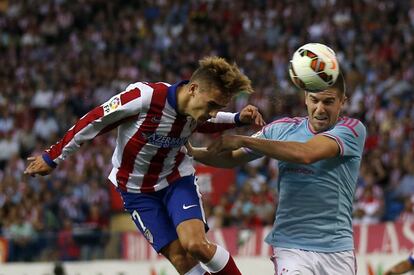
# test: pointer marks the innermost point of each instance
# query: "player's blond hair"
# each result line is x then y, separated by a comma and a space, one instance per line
217, 72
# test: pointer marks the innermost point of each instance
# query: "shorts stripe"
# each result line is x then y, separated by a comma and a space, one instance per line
200, 200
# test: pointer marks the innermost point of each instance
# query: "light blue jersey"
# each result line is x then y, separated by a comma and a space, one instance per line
315, 200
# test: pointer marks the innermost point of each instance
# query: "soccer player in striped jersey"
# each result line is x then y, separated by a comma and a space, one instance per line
319, 158
151, 169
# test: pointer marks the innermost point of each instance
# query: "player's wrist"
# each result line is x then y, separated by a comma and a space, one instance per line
48, 160
411, 260
241, 141
238, 121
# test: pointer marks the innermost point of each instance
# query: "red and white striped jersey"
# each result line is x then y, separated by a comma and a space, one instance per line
149, 153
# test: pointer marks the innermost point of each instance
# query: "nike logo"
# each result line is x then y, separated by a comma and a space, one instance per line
185, 207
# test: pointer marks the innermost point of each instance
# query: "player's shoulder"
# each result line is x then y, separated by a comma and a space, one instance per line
353, 125
350, 122
284, 124
288, 120
147, 86
147, 90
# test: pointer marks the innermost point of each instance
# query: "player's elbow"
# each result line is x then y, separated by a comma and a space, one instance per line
306, 158
303, 160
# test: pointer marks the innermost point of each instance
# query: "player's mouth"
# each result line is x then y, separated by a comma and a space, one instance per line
321, 118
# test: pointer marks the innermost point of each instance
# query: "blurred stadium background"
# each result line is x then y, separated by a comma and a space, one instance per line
60, 58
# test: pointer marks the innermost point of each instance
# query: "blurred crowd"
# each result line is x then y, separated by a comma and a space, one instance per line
60, 58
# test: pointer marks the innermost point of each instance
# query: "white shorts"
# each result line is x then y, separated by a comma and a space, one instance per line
301, 262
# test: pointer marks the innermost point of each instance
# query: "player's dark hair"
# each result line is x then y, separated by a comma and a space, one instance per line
340, 84
217, 72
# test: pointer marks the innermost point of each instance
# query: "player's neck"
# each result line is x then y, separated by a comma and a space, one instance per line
183, 97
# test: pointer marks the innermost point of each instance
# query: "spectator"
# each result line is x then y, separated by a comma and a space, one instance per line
22, 234
45, 126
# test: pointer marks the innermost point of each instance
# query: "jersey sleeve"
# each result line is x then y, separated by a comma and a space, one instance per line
223, 121
350, 136
121, 107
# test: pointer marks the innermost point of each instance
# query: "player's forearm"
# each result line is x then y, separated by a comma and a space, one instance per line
86, 128
97, 121
224, 160
222, 122
290, 151
400, 268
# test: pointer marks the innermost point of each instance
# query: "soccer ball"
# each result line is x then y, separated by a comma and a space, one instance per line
314, 67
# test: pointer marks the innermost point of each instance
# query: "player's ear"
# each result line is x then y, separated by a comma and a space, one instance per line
343, 98
193, 88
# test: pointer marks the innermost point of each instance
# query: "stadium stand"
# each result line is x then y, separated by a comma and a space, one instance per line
59, 58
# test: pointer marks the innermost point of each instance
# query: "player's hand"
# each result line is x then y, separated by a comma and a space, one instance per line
400, 268
189, 148
37, 166
225, 143
251, 115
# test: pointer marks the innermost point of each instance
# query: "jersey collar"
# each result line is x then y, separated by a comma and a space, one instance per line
172, 94
315, 133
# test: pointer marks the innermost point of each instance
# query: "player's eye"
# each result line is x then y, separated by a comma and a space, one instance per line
213, 105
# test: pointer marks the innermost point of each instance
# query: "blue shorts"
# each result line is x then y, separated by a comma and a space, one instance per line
157, 214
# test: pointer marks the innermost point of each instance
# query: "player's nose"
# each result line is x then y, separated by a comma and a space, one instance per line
320, 108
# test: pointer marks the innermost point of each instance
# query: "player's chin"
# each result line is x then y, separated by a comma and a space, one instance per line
320, 125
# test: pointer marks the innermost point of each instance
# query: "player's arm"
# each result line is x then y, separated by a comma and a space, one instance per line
101, 119
318, 148
401, 267
227, 159
249, 115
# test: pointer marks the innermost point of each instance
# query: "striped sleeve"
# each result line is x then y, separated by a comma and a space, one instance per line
119, 108
350, 135
223, 121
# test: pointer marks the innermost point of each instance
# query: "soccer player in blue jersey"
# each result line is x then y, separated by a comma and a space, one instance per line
319, 158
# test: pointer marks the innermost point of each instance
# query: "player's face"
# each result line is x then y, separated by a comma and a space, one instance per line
206, 103
324, 108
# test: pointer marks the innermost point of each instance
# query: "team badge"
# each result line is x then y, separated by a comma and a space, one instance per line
112, 105
115, 102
